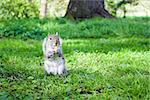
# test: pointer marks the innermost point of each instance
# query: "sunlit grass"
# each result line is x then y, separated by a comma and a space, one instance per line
116, 68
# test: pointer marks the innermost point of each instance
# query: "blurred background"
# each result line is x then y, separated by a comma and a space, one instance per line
39, 17
57, 8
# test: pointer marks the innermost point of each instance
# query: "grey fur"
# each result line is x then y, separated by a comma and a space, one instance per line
54, 62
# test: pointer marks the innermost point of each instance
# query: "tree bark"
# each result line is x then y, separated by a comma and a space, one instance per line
43, 8
78, 9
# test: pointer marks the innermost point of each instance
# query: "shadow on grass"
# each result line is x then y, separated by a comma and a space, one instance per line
107, 45
22, 52
96, 28
82, 45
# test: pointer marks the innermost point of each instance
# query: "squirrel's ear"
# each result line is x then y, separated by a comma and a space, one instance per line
57, 33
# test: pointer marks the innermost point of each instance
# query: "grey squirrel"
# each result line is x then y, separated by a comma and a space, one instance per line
54, 62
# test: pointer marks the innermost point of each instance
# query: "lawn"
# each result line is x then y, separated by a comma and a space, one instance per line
101, 65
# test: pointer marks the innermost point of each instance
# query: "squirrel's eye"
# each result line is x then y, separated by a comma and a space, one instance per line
50, 38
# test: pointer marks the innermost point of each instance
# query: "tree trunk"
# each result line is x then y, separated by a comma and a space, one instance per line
43, 8
78, 9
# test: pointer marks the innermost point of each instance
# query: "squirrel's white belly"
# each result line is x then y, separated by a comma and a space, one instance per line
54, 67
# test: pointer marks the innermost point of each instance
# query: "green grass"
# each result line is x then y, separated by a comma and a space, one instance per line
93, 28
98, 68
101, 66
